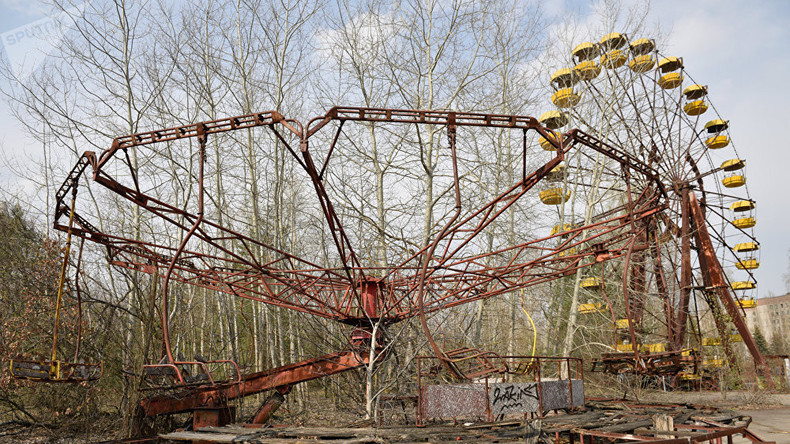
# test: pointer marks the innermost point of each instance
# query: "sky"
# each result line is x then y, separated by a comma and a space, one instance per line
739, 49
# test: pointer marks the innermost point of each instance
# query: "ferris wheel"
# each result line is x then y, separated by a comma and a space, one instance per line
626, 92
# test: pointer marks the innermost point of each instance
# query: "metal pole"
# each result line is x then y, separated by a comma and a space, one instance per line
63, 276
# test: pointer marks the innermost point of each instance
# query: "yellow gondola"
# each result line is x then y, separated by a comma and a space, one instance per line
717, 142
621, 323
742, 205
747, 264
561, 228
554, 119
591, 283
613, 40
688, 352
569, 252
709, 342
642, 46
695, 108
733, 165
744, 285
713, 362
564, 78
585, 51
546, 144
556, 174
716, 126
613, 59
734, 181
554, 196
642, 64
653, 348
695, 92
747, 303
587, 70
689, 376
669, 64
565, 98
744, 247
592, 307
744, 222
671, 80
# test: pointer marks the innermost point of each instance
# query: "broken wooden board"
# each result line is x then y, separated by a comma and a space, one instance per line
513, 431
610, 419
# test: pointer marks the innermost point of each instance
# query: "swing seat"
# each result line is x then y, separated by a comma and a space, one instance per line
186, 374
527, 367
34, 370
56, 371
477, 364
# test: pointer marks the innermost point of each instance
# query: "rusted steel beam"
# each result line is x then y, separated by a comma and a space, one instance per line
619, 156
71, 183
428, 117
271, 405
681, 319
661, 284
705, 435
264, 118
713, 276
250, 384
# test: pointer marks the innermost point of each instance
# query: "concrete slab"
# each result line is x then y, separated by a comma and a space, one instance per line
769, 424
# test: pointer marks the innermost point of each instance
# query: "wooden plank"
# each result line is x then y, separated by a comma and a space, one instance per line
233, 428
255, 438
322, 432
197, 436
494, 425
625, 427
579, 418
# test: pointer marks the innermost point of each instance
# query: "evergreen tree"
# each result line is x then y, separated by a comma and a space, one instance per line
762, 343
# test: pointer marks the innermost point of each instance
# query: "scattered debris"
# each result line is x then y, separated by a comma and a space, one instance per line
601, 420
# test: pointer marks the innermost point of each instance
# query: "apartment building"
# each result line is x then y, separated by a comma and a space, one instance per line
772, 315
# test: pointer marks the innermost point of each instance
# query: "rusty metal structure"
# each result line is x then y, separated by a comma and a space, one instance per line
450, 268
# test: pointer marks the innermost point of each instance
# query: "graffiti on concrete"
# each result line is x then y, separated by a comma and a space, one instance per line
507, 398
